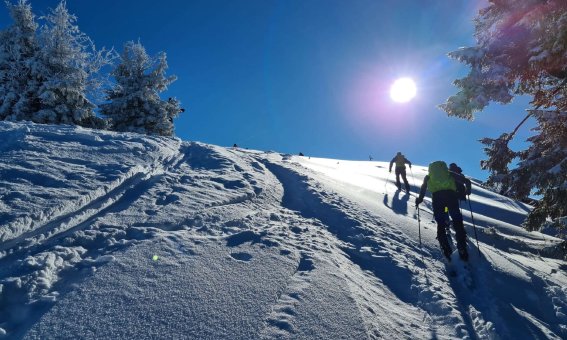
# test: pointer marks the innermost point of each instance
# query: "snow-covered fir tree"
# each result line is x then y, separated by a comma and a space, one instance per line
19, 53
134, 103
70, 64
522, 50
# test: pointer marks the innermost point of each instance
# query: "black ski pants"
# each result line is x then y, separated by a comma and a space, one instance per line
401, 171
449, 199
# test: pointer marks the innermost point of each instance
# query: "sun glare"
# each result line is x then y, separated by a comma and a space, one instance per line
403, 90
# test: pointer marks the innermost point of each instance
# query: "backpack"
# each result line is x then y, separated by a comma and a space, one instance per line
440, 178
400, 161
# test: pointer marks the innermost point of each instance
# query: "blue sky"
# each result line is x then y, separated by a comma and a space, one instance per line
309, 76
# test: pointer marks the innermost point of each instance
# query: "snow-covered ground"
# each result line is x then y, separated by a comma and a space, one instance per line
122, 236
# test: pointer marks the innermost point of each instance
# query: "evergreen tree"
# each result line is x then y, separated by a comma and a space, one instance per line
521, 50
19, 53
134, 103
70, 65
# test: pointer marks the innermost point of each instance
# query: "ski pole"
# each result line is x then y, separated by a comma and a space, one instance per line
412, 178
474, 226
386, 182
418, 224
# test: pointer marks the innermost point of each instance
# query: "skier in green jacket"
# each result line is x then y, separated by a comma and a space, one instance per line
443, 187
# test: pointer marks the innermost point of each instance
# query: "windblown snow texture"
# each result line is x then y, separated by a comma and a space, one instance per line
122, 236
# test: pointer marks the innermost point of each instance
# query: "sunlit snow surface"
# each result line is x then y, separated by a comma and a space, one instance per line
123, 236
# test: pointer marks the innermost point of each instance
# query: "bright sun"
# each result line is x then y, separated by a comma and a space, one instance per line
403, 90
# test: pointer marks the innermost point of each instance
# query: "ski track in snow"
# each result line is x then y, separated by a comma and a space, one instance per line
369, 243
42, 242
348, 269
480, 304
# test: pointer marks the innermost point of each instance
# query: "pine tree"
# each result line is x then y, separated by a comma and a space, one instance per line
134, 103
521, 50
70, 65
19, 53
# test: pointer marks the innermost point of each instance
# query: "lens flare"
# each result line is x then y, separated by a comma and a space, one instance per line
403, 90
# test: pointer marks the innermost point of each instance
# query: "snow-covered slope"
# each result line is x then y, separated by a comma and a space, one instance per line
122, 236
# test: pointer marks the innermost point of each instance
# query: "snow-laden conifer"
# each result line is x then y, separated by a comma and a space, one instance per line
19, 53
134, 103
70, 65
521, 50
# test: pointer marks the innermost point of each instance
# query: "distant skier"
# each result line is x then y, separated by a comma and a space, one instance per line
443, 186
401, 162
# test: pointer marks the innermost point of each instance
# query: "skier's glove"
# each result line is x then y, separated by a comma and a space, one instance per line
418, 200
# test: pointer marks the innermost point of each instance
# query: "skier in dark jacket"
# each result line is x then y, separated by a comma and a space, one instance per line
401, 162
464, 185
463, 189
443, 187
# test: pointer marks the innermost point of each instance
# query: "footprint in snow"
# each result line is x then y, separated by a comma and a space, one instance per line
305, 264
165, 200
296, 230
244, 257
249, 236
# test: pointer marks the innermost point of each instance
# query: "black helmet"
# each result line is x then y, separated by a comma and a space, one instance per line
455, 168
